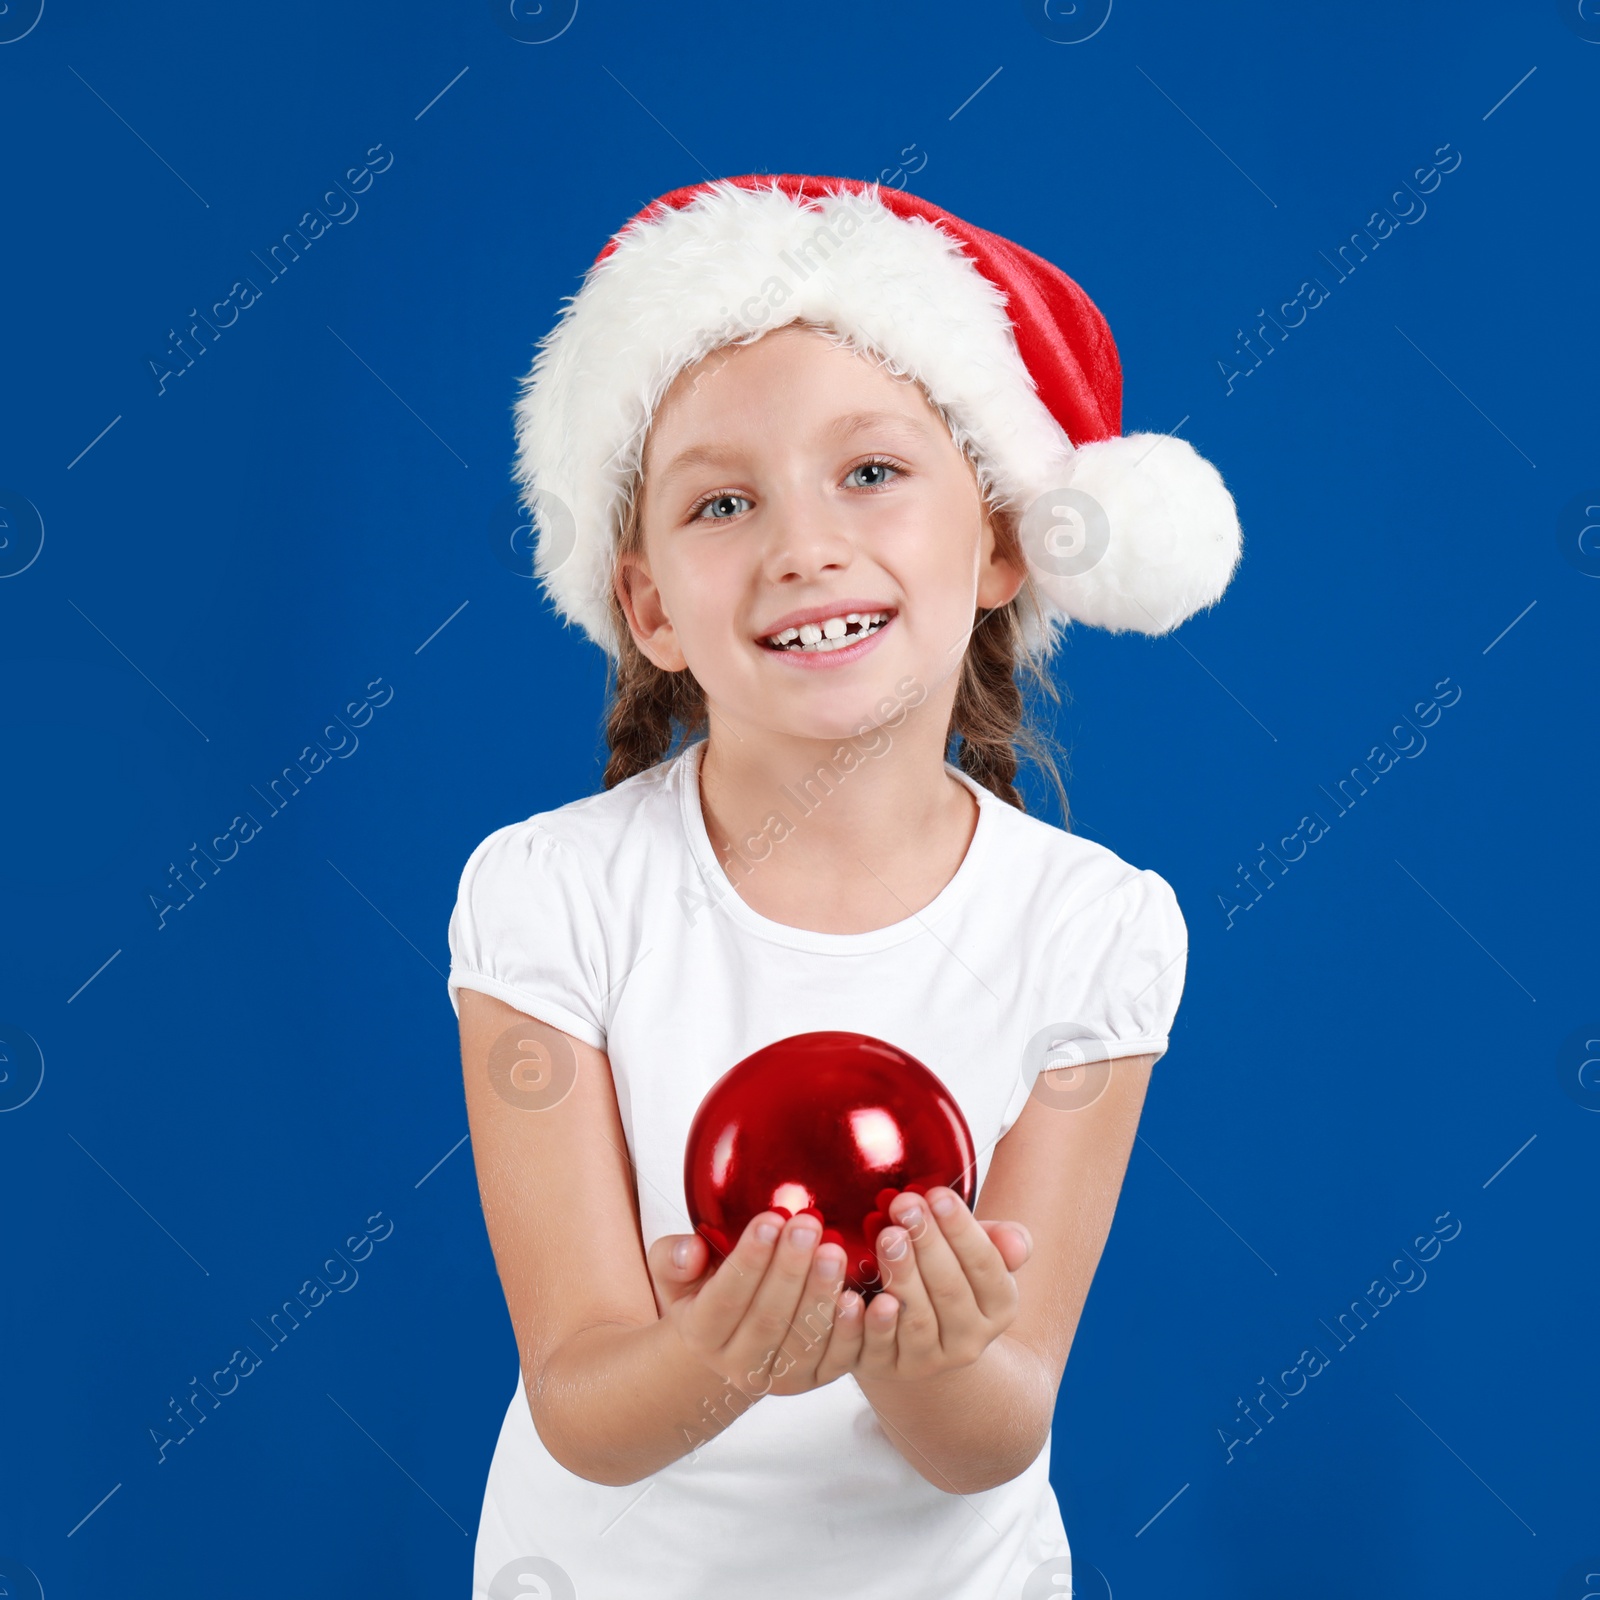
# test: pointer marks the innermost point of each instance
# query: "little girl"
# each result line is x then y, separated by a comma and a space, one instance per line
822, 468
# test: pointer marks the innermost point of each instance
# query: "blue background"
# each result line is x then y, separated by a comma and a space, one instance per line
302, 512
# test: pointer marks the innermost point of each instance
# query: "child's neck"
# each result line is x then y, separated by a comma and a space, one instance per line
825, 836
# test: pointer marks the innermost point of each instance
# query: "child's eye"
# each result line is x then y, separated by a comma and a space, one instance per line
721, 507
881, 468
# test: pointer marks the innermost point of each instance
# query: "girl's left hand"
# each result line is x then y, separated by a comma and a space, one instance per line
949, 1291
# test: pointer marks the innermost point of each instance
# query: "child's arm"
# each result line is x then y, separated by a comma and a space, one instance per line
618, 1388
1059, 1172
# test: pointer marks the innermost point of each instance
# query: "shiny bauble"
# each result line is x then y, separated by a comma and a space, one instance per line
834, 1124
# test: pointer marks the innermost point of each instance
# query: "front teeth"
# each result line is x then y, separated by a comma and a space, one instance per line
830, 635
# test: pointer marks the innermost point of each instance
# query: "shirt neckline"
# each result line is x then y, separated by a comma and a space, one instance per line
727, 899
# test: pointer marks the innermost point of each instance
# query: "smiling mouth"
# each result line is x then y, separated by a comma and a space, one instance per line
836, 633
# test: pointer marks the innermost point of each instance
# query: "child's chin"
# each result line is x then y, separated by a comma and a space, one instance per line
863, 714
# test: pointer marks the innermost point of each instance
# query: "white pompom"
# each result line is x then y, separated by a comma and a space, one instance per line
1142, 535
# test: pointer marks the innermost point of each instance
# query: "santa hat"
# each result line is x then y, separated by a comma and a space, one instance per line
1124, 532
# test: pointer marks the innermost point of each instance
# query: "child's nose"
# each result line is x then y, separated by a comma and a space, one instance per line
806, 536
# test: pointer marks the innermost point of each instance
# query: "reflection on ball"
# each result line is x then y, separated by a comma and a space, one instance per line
835, 1124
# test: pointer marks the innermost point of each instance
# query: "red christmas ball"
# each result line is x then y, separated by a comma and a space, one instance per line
836, 1124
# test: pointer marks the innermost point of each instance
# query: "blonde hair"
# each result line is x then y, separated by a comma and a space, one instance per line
651, 713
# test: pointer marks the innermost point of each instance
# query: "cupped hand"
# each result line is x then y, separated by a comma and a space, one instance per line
949, 1290
771, 1318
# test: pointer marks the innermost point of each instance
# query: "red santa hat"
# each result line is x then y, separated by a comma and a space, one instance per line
1124, 532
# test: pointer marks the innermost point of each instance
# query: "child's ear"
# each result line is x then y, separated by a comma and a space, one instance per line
1001, 572
648, 622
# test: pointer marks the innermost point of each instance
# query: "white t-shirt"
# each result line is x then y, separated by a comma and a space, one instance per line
612, 919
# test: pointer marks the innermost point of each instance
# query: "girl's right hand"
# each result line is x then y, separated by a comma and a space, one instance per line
770, 1319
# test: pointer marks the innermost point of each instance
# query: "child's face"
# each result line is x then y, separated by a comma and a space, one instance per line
792, 474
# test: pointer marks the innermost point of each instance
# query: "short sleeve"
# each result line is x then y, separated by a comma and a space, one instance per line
1135, 952
1114, 972
527, 930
